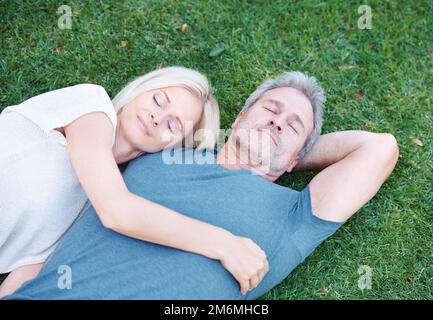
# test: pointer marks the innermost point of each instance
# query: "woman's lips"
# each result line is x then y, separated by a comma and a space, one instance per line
143, 125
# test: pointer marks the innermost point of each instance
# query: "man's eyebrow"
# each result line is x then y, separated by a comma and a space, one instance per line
166, 96
298, 119
280, 105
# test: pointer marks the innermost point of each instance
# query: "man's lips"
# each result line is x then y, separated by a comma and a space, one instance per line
269, 133
143, 124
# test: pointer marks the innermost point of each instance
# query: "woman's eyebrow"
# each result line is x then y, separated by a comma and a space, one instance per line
180, 122
177, 117
166, 96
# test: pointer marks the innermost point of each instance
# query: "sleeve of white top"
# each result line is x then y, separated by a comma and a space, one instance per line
60, 107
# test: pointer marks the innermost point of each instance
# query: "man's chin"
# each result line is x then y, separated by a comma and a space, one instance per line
260, 162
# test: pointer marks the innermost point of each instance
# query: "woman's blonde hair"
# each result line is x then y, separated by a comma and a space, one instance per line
206, 131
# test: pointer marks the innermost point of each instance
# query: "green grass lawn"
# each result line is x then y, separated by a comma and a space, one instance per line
377, 79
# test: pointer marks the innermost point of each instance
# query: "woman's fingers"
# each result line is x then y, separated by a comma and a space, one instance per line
245, 286
246, 261
254, 281
261, 274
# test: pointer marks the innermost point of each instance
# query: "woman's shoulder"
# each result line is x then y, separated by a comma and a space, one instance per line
88, 86
85, 95
85, 89
60, 107
75, 93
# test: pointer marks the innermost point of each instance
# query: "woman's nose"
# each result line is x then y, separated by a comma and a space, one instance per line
274, 125
154, 120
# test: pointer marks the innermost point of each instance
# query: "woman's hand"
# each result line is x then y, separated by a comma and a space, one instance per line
245, 260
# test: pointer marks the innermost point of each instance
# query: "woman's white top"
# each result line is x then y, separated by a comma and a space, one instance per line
40, 194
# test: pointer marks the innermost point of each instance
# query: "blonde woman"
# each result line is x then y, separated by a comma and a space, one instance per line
64, 147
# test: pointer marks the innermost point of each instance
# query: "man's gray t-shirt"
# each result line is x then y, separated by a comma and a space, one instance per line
104, 264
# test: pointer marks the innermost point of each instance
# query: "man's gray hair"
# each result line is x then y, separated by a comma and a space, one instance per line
309, 87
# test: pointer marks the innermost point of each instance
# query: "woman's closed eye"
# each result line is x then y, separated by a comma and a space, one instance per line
158, 100
173, 125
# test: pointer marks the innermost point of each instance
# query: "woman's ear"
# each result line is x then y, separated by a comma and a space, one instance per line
239, 117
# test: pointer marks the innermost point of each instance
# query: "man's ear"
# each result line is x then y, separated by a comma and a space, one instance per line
293, 163
239, 117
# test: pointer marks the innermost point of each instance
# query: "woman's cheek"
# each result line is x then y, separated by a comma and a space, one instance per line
166, 137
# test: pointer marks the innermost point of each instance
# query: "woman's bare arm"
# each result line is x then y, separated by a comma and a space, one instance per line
89, 144
18, 277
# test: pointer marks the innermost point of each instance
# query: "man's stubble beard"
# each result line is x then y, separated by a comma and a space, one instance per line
254, 151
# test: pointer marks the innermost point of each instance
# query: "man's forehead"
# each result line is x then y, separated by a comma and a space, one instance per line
286, 98
283, 93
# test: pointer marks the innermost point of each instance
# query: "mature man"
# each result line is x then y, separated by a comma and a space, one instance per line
235, 192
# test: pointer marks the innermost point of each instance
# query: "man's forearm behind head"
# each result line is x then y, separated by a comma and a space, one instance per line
333, 147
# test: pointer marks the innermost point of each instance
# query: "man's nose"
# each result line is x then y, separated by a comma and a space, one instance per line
274, 125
